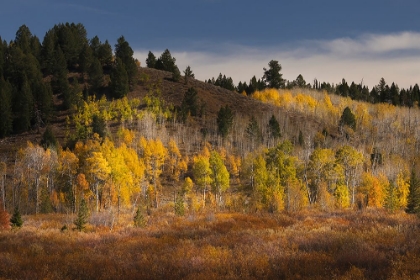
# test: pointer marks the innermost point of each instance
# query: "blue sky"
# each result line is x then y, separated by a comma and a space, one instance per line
324, 39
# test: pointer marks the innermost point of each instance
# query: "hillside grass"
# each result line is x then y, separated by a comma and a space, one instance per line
371, 244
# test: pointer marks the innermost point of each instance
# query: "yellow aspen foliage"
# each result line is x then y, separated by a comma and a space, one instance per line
154, 156
223, 154
98, 170
325, 200
332, 111
202, 171
363, 117
286, 99
205, 152
233, 166
134, 164
82, 187
297, 197
175, 164
342, 196
220, 176
403, 184
187, 186
120, 174
374, 188
127, 136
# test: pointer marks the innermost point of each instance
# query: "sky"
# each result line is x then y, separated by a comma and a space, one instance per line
359, 40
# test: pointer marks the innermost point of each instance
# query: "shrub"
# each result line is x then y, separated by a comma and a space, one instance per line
139, 220
4, 219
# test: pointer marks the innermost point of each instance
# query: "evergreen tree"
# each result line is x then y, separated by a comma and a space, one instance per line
348, 118
6, 116
253, 130
82, 216
224, 120
301, 140
189, 105
99, 126
23, 39
48, 52
3, 47
119, 80
343, 89
188, 72
176, 75
23, 107
48, 139
381, 89
85, 59
413, 199
274, 127
96, 75
300, 81
16, 220
43, 98
166, 62
36, 47
124, 52
104, 54
272, 76
151, 60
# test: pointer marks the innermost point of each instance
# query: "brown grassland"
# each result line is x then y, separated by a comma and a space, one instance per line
369, 244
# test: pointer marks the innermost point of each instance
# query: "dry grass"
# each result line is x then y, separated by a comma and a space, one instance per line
306, 245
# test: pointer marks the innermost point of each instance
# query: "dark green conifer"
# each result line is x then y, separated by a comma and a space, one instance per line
16, 220
119, 80
82, 216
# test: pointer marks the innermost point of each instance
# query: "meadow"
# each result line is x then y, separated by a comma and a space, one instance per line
311, 244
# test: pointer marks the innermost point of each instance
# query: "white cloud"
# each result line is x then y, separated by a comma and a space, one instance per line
395, 57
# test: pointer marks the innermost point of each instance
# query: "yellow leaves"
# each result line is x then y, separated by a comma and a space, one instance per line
98, 167
154, 155
363, 117
403, 189
374, 188
187, 186
127, 136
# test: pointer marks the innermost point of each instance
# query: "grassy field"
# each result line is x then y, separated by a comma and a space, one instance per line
308, 245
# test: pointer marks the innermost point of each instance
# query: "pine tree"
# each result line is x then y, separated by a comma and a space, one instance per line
151, 60
5, 108
272, 76
253, 130
96, 75
224, 120
119, 80
189, 105
82, 216
85, 59
413, 200
48, 139
16, 220
124, 52
348, 118
274, 127
301, 140
23, 107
